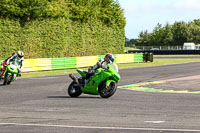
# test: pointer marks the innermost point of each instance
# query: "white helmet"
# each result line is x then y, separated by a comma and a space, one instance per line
20, 54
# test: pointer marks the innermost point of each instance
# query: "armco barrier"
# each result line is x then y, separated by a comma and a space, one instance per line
37, 64
63, 63
75, 62
124, 58
86, 61
138, 57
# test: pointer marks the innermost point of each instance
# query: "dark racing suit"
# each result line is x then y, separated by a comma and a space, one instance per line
84, 80
100, 64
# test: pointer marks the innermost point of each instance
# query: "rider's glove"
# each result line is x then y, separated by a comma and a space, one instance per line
20, 74
19, 69
105, 67
99, 64
91, 70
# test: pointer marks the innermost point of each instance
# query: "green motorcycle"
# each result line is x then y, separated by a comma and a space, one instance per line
103, 82
11, 72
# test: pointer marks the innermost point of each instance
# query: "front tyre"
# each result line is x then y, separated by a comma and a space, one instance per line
9, 79
108, 91
6, 78
1, 76
74, 90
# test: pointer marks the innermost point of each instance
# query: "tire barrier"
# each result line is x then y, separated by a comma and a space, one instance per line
75, 62
147, 56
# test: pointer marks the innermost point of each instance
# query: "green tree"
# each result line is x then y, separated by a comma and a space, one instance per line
180, 33
171, 35
155, 38
168, 35
194, 30
143, 39
25, 10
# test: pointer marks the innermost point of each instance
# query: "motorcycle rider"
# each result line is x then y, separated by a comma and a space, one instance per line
17, 58
102, 63
3, 66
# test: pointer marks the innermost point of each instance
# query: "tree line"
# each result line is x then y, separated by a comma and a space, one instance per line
169, 35
61, 28
107, 11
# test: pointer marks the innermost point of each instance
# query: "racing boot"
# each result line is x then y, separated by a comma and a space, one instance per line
20, 74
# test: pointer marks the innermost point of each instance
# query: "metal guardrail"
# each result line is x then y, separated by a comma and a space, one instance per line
159, 47
197, 47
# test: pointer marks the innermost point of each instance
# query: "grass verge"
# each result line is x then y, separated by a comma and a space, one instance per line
156, 62
176, 55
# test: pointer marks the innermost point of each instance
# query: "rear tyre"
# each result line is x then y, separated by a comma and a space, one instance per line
106, 92
74, 90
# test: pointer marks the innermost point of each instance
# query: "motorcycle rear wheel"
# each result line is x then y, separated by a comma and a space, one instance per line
106, 92
74, 90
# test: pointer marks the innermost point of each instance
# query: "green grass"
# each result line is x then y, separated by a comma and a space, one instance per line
157, 62
129, 48
49, 73
175, 55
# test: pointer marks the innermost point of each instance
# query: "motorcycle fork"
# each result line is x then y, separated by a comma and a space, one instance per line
14, 76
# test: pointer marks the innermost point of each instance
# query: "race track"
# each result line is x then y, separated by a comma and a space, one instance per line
41, 104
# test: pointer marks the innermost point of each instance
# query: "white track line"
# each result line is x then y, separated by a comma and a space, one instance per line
93, 127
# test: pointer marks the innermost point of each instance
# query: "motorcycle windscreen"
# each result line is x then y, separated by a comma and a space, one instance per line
115, 67
14, 64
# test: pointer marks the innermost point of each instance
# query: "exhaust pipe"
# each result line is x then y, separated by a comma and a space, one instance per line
72, 77
75, 79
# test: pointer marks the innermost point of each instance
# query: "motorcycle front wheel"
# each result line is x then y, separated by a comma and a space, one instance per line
7, 79
1, 76
106, 92
74, 90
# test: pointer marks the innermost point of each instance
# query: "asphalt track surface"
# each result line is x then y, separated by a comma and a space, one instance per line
41, 105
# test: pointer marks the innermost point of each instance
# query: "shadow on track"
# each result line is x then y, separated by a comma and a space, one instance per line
73, 97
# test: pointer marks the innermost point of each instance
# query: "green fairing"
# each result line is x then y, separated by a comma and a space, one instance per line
115, 74
108, 82
10, 71
81, 72
111, 75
